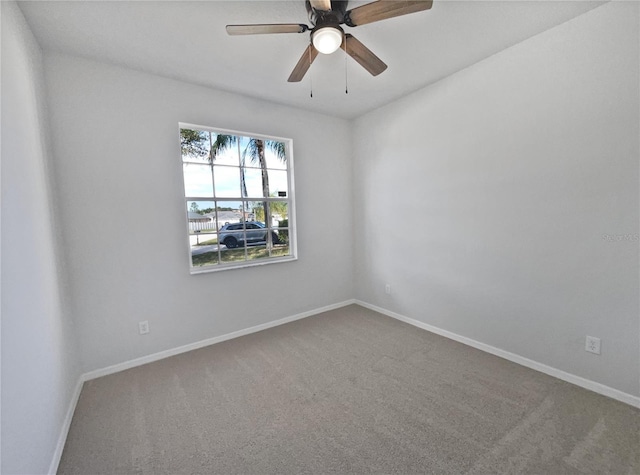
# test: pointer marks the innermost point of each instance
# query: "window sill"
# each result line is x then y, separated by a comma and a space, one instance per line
230, 266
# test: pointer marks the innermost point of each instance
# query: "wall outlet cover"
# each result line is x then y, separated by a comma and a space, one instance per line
143, 327
592, 345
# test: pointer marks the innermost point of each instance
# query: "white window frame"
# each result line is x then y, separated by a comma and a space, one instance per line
293, 243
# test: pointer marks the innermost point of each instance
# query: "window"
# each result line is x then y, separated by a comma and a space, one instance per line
239, 200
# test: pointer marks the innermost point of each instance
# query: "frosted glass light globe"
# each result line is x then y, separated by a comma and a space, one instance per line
326, 40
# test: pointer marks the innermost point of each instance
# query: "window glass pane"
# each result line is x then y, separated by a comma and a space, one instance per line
201, 217
253, 182
249, 151
228, 212
202, 236
280, 250
204, 249
194, 145
246, 146
279, 213
232, 255
197, 180
272, 158
232, 233
256, 211
203, 239
257, 252
227, 181
283, 236
227, 155
246, 211
278, 186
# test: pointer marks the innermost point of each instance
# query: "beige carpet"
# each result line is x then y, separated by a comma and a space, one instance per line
348, 391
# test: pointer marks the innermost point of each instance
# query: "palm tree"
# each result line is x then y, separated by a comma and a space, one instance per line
255, 152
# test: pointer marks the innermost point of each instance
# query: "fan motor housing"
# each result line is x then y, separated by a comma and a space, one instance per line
335, 16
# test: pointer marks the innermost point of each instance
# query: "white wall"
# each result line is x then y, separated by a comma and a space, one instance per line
39, 363
502, 180
118, 166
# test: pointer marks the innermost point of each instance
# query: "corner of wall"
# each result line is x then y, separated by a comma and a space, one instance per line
39, 346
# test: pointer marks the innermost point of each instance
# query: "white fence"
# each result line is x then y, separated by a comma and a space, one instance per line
211, 225
201, 225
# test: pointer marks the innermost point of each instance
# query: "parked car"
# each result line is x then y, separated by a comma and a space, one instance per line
233, 235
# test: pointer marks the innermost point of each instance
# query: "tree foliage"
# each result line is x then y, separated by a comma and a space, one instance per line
194, 143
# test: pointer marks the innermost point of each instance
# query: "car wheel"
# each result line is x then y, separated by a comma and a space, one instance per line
230, 242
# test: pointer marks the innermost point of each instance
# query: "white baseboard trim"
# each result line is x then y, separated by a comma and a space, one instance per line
66, 424
521, 360
209, 341
571, 378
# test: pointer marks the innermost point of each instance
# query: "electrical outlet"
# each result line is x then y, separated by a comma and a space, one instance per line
592, 345
143, 327
387, 289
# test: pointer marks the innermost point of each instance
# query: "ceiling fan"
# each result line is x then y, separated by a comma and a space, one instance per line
327, 36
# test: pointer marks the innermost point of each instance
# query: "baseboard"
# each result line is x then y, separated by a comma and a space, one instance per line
521, 360
571, 378
209, 341
66, 424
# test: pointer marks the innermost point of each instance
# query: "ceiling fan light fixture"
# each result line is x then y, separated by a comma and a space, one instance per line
327, 39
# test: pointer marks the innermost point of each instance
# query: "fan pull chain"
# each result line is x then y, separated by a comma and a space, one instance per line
310, 74
346, 75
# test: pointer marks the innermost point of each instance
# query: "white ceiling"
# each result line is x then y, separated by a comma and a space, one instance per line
186, 40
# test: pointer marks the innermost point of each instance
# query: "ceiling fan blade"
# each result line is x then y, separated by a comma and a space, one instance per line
303, 64
324, 5
363, 55
266, 29
383, 9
